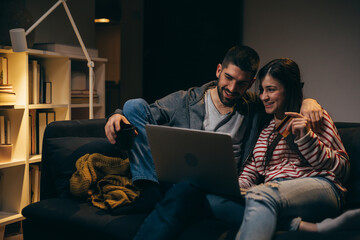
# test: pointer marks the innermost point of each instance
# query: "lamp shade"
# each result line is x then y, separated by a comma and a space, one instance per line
18, 40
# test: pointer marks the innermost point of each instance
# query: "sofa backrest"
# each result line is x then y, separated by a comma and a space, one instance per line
61, 139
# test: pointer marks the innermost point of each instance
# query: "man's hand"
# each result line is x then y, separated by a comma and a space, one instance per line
299, 124
312, 110
113, 125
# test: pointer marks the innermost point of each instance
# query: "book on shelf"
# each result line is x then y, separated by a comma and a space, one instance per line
4, 70
33, 132
41, 84
47, 96
8, 132
2, 130
51, 117
5, 130
35, 79
40, 90
41, 125
35, 173
5, 140
43, 118
38, 120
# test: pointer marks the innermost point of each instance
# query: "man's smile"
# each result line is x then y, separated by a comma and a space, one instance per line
230, 95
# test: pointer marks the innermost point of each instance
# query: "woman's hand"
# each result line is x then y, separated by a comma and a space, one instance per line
299, 124
113, 125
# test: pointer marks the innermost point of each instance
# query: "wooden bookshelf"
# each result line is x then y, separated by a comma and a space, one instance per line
14, 173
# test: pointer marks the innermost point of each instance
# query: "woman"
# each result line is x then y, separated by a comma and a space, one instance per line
303, 172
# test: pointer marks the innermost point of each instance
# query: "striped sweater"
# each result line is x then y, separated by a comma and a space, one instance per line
323, 150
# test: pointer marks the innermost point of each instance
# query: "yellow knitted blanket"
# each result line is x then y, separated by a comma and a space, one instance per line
104, 180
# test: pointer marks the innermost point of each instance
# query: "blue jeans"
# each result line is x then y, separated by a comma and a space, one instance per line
182, 204
312, 199
137, 111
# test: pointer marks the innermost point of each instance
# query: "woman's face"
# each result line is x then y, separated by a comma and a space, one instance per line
273, 96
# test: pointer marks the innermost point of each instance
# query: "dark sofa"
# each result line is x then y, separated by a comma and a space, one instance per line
60, 216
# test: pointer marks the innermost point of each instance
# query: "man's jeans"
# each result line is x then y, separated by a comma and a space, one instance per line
137, 111
312, 199
185, 203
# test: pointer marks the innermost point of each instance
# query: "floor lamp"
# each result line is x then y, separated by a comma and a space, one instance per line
19, 44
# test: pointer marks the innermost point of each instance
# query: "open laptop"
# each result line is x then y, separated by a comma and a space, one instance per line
206, 158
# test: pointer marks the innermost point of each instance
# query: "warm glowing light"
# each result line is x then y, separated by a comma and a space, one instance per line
102, 20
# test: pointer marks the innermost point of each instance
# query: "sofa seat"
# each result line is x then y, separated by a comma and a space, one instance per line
81, 219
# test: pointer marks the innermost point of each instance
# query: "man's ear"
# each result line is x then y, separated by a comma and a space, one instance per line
218, 70
252, 82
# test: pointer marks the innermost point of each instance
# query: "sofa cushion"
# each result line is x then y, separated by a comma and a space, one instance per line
351, 140
62, 154
72, 214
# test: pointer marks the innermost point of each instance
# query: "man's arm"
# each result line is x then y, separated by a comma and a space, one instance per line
311, 109
161, 111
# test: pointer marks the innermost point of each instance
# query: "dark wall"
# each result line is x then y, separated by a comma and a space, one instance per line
184, 41
14, 14
55, 28
131, 70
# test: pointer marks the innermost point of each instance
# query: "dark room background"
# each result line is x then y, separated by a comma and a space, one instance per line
184, 41
155, 47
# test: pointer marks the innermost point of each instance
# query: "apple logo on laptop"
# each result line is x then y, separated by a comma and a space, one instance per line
191, 159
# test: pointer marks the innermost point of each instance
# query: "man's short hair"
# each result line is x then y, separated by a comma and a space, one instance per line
243, 57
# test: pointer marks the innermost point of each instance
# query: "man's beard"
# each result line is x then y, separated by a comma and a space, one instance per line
226, 102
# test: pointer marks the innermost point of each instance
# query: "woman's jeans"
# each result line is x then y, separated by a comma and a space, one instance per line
312, 199
137, 111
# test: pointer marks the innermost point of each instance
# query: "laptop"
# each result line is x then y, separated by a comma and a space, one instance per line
205, 158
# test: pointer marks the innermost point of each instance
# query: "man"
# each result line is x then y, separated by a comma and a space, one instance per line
222, 106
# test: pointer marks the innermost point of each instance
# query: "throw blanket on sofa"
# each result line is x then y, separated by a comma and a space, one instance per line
104, 180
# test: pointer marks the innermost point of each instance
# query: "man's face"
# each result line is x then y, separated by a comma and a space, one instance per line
233, 83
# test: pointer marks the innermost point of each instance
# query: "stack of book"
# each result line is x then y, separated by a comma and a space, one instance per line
80, 88
82, 96
7, 95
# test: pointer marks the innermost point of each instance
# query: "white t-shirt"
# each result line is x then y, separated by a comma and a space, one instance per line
230, 123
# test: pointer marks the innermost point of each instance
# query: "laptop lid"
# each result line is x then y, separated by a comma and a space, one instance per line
206, 158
